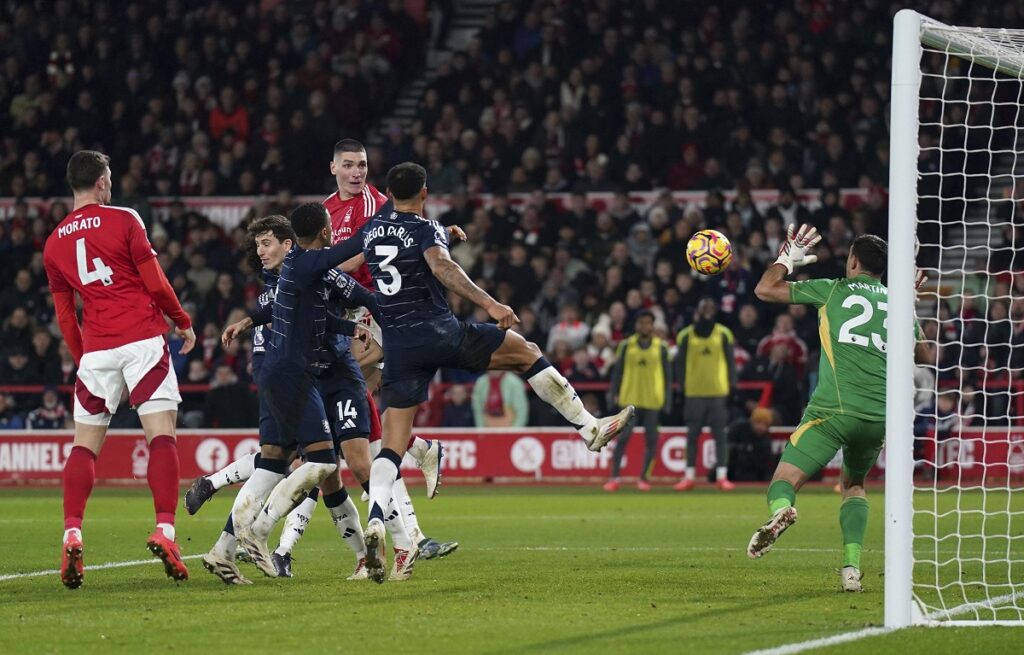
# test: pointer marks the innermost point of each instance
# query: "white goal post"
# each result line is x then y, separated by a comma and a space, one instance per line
954, 525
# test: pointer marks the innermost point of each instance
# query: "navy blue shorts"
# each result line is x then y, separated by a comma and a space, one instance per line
267, 427
408, 371
295, 404
343, 390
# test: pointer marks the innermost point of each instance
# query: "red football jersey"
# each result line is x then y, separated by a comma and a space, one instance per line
347, 216
95, 251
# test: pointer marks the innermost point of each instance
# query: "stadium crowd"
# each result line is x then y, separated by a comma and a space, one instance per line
550, 98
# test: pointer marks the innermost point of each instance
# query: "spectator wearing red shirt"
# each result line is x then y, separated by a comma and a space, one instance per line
229, 115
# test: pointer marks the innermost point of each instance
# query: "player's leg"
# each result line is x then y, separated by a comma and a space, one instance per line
695, 417
397, 427
649, 420
153, 392
98, 388
718, 417
79, 476
203, 487
220, 560
428, 547
811, 447
487, 347
859, 456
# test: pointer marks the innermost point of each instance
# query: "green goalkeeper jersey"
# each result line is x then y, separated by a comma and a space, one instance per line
852, 327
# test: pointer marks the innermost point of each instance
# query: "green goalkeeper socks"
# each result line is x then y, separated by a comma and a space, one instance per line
853, 520
781, 494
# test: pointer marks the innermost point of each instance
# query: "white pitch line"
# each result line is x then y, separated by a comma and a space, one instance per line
108, 565
801, 646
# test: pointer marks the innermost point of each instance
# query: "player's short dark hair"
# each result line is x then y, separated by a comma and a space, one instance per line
644, 313
276, 224
406, 179
872, 252
348, 145
84, 168
309, 219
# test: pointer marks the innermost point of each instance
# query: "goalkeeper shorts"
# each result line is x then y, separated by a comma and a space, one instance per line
819, 436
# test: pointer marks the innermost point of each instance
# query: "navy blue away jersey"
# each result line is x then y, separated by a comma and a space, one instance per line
299, 325
259, 333
412, 306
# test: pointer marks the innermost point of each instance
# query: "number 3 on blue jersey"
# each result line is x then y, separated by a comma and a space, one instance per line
395, 285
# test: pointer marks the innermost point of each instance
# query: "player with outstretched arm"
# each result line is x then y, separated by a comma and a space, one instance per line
847, 409
102, 253
411, 268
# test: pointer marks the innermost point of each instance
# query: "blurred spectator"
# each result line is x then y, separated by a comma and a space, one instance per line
228, 403
570, 330
10, 419
51, 415
21, 294
458, 412
750, 449
499, 400
788, 396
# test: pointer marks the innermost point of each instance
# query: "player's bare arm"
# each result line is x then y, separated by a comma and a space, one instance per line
234, 330
792, 255
455, 279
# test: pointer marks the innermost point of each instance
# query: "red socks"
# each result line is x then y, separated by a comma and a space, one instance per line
79, 475
375, 428
162, 475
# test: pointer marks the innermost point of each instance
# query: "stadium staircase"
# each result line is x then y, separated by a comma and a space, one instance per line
467, 20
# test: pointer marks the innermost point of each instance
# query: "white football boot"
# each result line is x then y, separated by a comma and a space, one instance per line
431, 466
610, 427
851, 579
764, 539
373, 539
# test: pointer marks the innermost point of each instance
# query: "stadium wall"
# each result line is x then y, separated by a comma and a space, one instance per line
229, 211
475, 456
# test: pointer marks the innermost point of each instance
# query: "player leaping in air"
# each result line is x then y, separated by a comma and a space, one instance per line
102, 253
350, 208
847, 409
411, 268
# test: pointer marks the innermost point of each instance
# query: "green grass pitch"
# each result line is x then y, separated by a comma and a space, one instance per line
540, 570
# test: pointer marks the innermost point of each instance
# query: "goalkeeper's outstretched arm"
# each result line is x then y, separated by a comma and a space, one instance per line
772, 286
792, 255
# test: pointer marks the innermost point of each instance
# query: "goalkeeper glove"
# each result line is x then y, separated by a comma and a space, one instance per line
793, 253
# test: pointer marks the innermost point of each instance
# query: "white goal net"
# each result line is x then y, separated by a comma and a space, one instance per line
965, 537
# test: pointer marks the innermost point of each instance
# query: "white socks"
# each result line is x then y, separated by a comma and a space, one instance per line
295, 524
286, 495
556, 391
167, 529
251, 496
237, 471
401, 497
721, 473
225, 546
346, 520
691, 473
383, 478
383, 474
396, 527
70, 531
418, 450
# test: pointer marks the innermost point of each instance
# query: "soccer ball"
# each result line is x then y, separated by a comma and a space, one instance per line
709, 252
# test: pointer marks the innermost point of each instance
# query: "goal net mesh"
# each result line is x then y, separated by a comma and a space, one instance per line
969, 407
